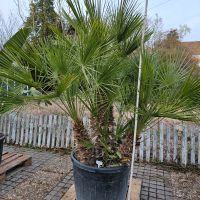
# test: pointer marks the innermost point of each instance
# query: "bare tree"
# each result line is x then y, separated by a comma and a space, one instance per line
22, 9
159, 34
8, 28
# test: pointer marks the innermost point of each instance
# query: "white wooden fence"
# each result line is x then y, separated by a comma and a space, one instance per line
50, 131
163, 143
170, 143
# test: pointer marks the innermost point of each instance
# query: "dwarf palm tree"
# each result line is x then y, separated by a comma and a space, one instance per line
169, 89
94, 70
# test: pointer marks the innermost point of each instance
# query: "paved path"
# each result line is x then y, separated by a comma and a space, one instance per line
50, 176
155, 182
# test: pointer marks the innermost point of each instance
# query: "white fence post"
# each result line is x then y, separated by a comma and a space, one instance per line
22, 130
142, 147
49, 131
5, 126
35, 132
27, 129
44, 136
148, 143
18, 128
161, 142
40, 131
175, 144
184, 146
59, 131
31, 125
68, 135
192, 145
9, 129
54, 131
63, 131
168, 142
14, 128
155, 140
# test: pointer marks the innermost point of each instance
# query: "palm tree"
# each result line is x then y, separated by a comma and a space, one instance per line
169, 89
95, 70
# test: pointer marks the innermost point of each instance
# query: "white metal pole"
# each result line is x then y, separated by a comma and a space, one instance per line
137, 99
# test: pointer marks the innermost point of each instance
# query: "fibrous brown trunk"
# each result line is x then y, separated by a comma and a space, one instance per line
84, 154
95, 138
126, 148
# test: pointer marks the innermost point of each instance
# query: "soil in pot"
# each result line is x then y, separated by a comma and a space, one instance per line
92, 183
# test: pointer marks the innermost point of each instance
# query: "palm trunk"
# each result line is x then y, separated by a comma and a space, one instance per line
125, 148
83, 154
96, 138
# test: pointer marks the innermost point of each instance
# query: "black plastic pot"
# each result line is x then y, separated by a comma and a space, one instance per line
93, 183
2, 137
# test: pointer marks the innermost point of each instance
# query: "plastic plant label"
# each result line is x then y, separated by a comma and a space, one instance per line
99, 163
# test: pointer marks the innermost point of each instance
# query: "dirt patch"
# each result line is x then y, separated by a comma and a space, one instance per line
186, 185
173, 167
42, 109
60, 165
37, 187
185, 181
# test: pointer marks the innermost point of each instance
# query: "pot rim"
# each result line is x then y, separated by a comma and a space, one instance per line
92, 169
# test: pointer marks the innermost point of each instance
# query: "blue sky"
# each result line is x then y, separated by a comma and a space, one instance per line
173, 12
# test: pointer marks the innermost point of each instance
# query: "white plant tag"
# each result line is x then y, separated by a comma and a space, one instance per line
99, 163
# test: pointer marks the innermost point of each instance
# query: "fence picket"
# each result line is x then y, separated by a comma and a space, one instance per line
31, 124
155, 143
192, 145
27, 129
58, 131
161, 142
175, 159
18, 128
148, 142
22, 130
63, 132
14, 128
44, 130
49, 131
168, 143
9, 129
35, 132
5, 126
40, 131
142, 147
53, 131
71, 136
184, 146
68, 135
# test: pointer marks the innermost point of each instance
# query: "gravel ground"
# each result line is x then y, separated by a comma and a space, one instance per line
50, 177
37, 186
186, 185
184, 181
42, 181
60, 165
